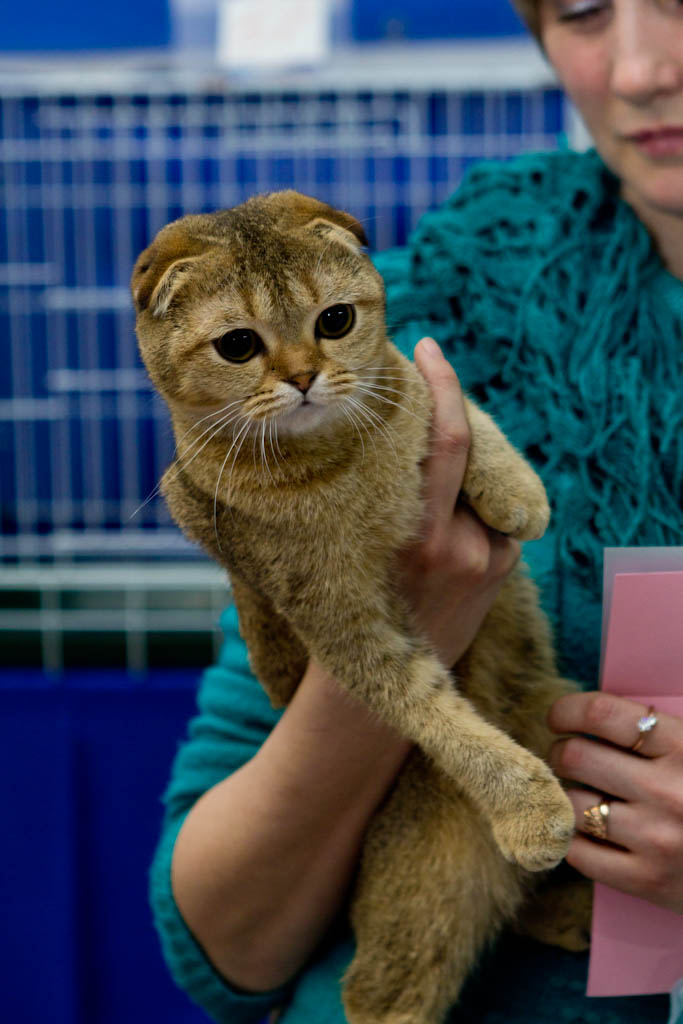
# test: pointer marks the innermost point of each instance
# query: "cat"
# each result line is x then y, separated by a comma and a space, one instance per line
300, 432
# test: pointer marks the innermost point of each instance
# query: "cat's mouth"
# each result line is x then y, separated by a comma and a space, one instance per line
308, 414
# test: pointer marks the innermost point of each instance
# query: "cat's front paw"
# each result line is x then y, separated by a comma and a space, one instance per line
517, 505
500, 485
536, 833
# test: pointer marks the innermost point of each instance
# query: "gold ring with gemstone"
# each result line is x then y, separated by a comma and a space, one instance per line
595, 820
645, 724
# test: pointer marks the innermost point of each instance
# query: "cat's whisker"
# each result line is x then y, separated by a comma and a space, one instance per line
375, 422
180, 465
402, 403
377, 419
383, 398
382, 426
264, 407
270, 440
383, 376
396, 391
253, 449
238, 437
213, 431
150, 497
354, 423
368, 426
396, 366
384, 387
433, 387
273, 423
264, 457
263, 445
216, 412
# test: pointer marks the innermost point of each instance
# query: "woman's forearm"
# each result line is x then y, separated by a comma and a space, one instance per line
264, 859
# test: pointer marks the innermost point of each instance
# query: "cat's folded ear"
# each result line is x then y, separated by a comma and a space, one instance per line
348, 232
341, 219
162, 269
305, 211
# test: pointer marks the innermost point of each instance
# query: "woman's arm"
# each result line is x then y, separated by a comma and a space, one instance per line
643, 854
264, 859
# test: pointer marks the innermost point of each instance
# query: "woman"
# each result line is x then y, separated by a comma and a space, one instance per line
554, 285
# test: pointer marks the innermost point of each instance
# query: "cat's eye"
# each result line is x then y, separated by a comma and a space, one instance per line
336, 321
238, 346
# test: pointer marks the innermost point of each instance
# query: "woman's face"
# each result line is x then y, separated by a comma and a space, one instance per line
621, 61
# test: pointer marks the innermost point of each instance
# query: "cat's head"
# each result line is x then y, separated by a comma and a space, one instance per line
270, 311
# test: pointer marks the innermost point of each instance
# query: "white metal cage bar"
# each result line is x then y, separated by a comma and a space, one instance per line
86, 179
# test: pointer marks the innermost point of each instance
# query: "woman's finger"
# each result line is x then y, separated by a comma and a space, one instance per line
640, 853
610, 865
591, 763
625, 822
444, 469
505, 553
617, 720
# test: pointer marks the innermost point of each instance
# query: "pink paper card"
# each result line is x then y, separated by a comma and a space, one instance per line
644, 645
637, 948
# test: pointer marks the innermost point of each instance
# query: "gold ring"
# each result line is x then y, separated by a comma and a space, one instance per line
595, 820
645, 724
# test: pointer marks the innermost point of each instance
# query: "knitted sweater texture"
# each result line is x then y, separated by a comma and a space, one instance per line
544, 290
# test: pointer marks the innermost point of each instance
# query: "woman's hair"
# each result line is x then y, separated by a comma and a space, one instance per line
529, 11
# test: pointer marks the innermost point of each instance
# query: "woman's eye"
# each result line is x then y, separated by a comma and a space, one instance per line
582, 11
238, 346
336, 321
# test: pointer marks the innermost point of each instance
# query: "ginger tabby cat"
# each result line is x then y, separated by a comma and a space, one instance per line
300, 431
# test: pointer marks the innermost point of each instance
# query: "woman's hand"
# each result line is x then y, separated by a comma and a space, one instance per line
451, 575
643, 852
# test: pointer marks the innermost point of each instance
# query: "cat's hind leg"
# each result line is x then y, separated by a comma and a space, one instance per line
558, 912
433, 890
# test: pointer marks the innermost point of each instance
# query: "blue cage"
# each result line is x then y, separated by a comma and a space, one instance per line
88, 177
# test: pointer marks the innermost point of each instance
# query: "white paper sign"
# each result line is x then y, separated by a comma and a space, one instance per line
273, 33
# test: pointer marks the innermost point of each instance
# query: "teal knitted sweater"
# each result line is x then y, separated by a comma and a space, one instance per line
544, 290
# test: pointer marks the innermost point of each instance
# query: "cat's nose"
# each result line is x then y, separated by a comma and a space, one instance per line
302, 381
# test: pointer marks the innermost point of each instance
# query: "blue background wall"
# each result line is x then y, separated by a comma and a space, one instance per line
83, 762
80, 25
415, 19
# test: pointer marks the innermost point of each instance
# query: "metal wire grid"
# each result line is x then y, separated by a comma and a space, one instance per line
86, 181
111, 612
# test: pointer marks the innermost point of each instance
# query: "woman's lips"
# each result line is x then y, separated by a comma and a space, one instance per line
659, 142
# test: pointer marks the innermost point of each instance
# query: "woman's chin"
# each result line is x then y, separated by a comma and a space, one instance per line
661, 191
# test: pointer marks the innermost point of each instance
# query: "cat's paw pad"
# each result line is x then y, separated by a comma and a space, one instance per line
524, 521
537, 833
518, 507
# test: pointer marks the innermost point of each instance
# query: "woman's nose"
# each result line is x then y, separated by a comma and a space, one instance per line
645, 59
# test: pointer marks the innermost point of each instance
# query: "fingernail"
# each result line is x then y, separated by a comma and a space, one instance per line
430, 348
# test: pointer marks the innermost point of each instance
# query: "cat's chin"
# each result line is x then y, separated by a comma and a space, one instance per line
305, 418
